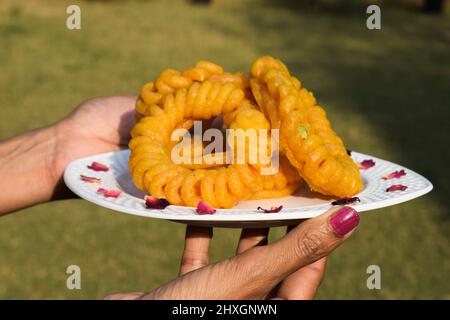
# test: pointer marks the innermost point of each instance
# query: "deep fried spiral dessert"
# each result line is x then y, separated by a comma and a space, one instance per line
170, 80
306, 137
151, 163
268, 101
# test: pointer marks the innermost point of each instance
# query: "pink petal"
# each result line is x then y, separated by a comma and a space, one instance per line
96, 166
90, 179
396, 187
156, 203
271, 210
109, 193
345, 201
366, 164
395, 174
204, 208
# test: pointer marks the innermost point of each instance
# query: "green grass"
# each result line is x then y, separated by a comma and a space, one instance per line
386, 92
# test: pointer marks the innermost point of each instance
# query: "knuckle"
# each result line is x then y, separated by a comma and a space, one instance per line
310, 244
195, 259
194, 262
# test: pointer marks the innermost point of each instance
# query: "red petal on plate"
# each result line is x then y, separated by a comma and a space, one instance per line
90, 179
271, 210
396, 187
395, 174
156, 203
345, 201
204, 208
109, 193
96, 166
366, 164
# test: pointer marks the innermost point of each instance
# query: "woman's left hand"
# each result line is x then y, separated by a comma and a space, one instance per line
32, 164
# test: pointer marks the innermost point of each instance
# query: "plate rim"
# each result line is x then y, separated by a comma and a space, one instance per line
251, 215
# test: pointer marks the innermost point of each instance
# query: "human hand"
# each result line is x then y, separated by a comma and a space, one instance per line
290, 268
95, 126
32, 163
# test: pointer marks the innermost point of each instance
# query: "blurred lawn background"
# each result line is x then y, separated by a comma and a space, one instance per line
386, 92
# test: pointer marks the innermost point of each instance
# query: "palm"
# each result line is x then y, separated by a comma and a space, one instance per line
96, 126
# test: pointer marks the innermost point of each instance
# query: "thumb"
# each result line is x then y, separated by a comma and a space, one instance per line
253, 273
315, 238
305, 244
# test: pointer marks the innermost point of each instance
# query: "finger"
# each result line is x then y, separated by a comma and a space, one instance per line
124, 296
251, 238
274, 292
256, 271
313, 239
303, 283
196, 248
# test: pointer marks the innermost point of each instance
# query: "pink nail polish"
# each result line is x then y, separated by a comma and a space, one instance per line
344, 220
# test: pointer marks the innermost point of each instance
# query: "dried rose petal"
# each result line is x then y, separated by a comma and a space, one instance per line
396, 187
109, 193
204, 208
344, 201
395, 174
90, 179
366, 164
156, 203
96, 166
271, 210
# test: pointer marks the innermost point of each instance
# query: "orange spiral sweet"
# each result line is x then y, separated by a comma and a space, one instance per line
154, 170
306, 137
270, 99
170, 80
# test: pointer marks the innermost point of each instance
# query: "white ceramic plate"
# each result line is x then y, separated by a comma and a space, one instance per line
304, 204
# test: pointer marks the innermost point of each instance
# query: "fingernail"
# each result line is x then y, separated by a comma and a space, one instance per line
344, 220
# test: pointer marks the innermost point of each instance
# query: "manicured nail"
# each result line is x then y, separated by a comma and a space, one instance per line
344, 220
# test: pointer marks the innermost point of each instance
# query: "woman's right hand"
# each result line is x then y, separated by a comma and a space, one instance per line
290, 268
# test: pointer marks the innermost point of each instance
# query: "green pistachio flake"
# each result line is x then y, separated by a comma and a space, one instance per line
302, 131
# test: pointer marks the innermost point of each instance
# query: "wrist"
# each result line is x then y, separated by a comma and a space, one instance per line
27, 169
65, 141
